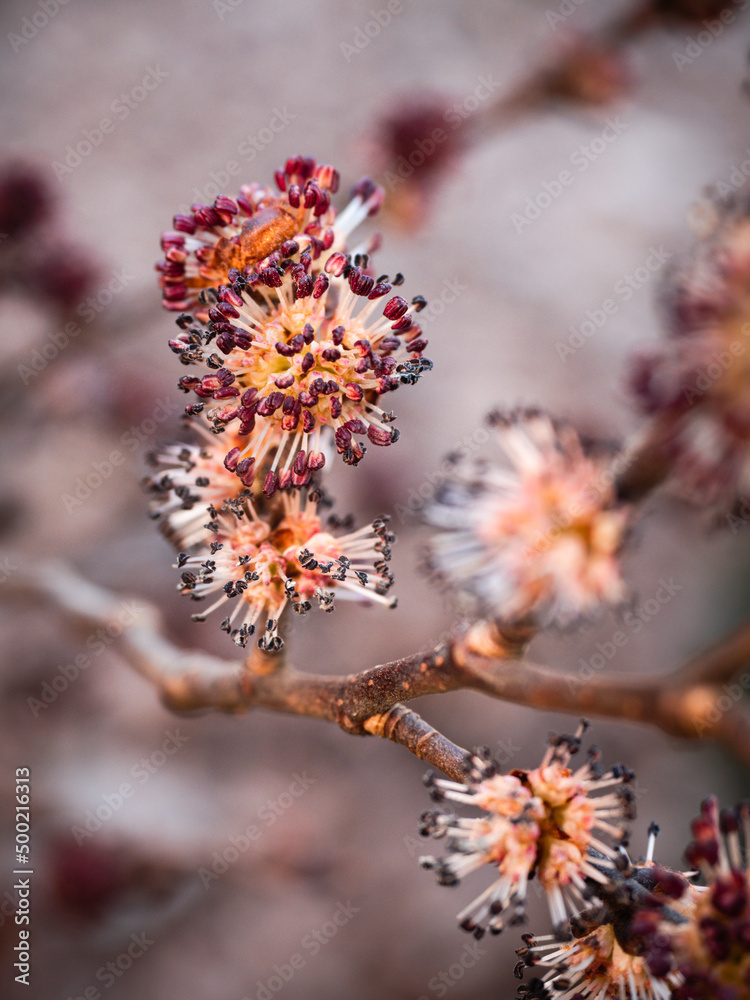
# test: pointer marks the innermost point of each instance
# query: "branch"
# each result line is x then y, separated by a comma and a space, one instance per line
687, 702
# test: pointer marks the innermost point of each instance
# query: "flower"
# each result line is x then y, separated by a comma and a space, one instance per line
237, 233
551, 822
696, 387
595, 967
191, 479
536, 537
301, 357
620, 947
262, 559
713, 949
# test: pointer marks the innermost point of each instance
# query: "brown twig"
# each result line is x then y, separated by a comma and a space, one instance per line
688, 702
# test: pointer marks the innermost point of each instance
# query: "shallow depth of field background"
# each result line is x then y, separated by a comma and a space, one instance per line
350, 839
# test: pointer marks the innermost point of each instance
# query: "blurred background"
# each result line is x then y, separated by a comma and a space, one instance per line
200, 98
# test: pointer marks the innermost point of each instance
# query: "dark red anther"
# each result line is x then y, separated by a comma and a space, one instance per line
395, 308
336, 407
270, 277
247, 424
316, 460
284, 381
285, 350
403, 324
300, 462
328, 177
231, 458
336, 263
312, 193
294, 195
343, 438
331, 354
380, 289
324, 202
228, 296
303, 286
337, 335
388, 344
379, 436
227, 392
320, 286
184, 223
307, 362
271, 485
356, 426
308, 422
353, 392
360, 283
416, 346
285, 480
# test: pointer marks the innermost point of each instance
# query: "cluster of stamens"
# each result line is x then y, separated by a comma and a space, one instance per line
551, 823
298, 341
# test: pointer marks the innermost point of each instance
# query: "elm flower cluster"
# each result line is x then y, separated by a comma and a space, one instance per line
298, 339
696, 387
537, 537
552, 823
237, 233
713, 950
253, 558
620, 947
